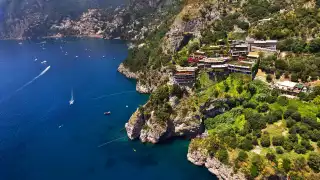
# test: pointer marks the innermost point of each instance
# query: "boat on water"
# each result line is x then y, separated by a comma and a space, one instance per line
107, 113
71, 100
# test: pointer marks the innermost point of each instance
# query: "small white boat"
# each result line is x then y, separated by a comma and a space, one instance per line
71, 100
103, 56
107, 113
20, 43
77, 56
43, 62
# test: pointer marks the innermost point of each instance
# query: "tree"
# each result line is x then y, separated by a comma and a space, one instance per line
160, 95
299, 163
271, 99
286, 164
222, 155
265, 140
249, 104
314, 45
239, 89
314, 161
252, 89
246, 144
294, 77
270, 156
277, 140
299, 149
288, 112
263, 108
287, 145
293, 138
296, 116
305, 143
279, 150
283, 101
281, 64
290, 122
242, 156
278, 74
269, 78
254, 120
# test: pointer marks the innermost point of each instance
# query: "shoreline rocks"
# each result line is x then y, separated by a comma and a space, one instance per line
135, 125
126, 72
148, 128
200, 157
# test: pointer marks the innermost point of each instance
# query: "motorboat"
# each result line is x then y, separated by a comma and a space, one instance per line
107, 113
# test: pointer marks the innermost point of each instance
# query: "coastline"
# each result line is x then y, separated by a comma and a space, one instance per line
57, 36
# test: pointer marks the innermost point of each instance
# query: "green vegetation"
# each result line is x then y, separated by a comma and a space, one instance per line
150, 56
299, 67
256, 124
300, 22
250, 127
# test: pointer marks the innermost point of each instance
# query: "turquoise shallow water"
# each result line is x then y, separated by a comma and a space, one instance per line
42, 137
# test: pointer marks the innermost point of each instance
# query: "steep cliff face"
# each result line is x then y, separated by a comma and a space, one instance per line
201, 157
38, 18
190, 21
27, 18
178, 124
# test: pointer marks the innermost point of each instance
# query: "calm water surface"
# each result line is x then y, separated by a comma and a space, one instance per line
42, 137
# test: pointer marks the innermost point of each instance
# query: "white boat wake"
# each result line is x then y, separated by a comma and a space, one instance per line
35, 78
124, 92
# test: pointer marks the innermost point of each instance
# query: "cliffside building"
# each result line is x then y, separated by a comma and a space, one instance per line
185, 76
238, 50
289, 87
269, 45
209, 62
244, 67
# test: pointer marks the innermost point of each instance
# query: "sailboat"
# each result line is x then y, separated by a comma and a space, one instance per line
71, 100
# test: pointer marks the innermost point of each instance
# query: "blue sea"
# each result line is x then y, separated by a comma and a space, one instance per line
42, 137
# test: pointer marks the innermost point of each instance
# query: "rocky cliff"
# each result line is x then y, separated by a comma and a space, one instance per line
149, 128
201, 157
38, 18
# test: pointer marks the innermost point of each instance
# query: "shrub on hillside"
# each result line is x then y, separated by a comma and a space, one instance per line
242, 156
283, 101
263, 108
287, 145
299, 149
314, 162
277, 140
222, 155
265, 140
279, 150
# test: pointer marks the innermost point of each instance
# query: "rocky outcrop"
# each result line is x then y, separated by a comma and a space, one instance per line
125, 71
189, 125
135, 125
197, 157
144, 88
215, 107
153, 130
200, 157
41, 18
181, 28
223, 171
